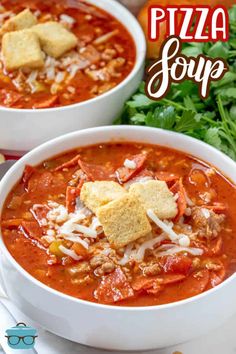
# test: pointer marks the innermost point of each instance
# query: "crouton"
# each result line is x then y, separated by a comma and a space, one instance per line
124, 220
25, 19
97, 194
21, 49
155, 195
54, 38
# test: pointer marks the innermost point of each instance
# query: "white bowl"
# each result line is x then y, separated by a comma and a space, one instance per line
113, 327
24, 129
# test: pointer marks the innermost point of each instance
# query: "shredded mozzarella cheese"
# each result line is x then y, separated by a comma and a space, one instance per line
70, 253
148, 245
176, 249
76, 239
163, 226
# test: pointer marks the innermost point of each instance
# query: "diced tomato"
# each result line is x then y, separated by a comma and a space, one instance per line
124, 174
11, 223
181, 201
40, 213
9, 97
71, 194
71, 163
96, 172
46, 103
27, 174
166, 176
80, 250
177, 264
113, 288
32, 230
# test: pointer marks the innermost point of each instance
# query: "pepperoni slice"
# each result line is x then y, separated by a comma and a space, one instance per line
32, 230
41, 182
146, 283
71, 163
113, 288
124, 174
96, 172
217, 208
181, 201
217, 277
27, 174
194, 284
216, 246
177, 264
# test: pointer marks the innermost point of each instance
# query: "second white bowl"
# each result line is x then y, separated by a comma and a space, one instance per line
23, 129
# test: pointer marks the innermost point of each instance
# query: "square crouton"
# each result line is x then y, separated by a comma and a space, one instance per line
155, 195
97, 194
24, 19
124, 220
21, 49
54, 38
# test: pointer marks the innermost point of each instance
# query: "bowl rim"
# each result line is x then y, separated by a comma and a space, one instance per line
107, 129
141, 48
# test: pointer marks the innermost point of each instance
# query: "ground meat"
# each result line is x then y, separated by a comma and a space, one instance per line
206, 223
151, 269
98, 260
80, 268
105, 268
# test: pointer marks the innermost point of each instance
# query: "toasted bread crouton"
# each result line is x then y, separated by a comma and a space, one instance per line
97, 194
54, 38
25, 19
155, 195
124, 220
21, 49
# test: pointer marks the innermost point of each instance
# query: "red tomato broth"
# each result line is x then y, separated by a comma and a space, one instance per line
87, 30
34, 259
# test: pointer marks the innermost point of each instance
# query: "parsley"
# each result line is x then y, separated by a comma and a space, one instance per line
212, 120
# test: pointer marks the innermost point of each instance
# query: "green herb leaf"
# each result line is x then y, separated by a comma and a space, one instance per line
188, 121
140, 101
163, 117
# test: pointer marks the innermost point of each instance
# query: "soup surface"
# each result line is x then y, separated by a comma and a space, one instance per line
125, 224
60, 52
